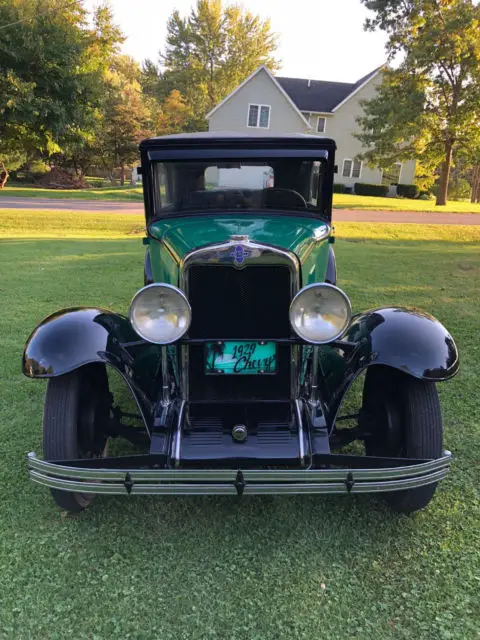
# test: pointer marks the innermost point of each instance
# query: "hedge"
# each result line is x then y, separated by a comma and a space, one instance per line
338, 187
408, 190
364, 189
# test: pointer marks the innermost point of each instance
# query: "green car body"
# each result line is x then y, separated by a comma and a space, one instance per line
171, 240
240, 278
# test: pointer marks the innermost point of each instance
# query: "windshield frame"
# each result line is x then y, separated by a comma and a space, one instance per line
225, 155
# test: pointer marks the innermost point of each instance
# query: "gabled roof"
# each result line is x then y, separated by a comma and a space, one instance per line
322, 95
277, 84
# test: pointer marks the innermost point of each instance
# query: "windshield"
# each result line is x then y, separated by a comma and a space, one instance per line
285, 184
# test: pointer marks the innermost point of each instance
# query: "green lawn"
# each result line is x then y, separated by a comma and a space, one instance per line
264, 568
348, 201
126, 193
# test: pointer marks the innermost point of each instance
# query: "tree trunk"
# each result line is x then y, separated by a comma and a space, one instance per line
122, 173
3, 175
475, 184
445, 176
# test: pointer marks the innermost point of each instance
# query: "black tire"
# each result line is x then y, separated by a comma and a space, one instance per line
402, 418
75, 405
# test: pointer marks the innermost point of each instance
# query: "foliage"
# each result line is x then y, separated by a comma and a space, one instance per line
173, 115
365, 189
458, 189
408, 190
429, 106
338, 187
51, 76
126, 116
209, 53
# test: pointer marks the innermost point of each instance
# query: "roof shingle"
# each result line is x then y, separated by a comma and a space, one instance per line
319, 95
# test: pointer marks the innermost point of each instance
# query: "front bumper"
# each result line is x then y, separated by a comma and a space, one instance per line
141, 481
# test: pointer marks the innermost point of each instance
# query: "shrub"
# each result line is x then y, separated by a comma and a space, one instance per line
408, 190
459, 189
338, 187
364, 189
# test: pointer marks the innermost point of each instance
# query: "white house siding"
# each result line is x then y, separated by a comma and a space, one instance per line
340, 125
408, 172
233, 114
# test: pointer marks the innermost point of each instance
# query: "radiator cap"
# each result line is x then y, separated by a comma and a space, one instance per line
239, 433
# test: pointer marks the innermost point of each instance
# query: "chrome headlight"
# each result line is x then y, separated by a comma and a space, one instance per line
320, 313
160, 313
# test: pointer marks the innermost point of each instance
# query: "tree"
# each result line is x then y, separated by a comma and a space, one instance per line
210, 52
51, 75
428, 107
174, 115
126, 117
475, 177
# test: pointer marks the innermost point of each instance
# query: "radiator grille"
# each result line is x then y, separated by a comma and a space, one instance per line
229, 303
232, 303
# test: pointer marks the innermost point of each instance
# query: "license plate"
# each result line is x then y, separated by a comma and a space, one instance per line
241, 358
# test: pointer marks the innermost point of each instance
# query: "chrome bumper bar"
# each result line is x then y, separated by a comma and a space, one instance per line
231, 482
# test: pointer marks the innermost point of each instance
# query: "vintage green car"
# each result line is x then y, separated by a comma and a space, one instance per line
240, 348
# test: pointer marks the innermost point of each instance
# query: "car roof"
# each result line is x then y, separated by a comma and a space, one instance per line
235, 138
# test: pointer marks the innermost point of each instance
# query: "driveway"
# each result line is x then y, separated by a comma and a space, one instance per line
339, 215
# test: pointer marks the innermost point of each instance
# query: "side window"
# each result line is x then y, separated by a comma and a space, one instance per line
258, 115
321, 124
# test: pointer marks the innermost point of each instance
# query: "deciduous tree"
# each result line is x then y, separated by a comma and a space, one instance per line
52, 64
428, 107
126, 116
210, 52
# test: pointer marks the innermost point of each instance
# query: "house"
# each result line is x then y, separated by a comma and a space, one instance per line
293, 105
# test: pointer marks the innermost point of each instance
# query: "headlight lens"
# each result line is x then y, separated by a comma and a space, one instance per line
320, 313
160, 313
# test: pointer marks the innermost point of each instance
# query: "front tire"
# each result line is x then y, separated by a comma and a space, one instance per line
77, 404
402, 419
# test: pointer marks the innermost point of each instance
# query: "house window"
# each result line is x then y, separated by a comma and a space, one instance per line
392, 175
351, 168
321, 124
259, 115
347, 168
356, 169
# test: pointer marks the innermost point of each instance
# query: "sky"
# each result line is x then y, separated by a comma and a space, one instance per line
318, 39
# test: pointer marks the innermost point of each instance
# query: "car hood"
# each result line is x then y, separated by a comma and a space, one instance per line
295, 233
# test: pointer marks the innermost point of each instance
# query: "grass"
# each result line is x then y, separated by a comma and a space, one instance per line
28, 223
264, 568
371, 203
340, 200
126, 193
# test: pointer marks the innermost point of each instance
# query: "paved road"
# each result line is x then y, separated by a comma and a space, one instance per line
8, 202
339, 215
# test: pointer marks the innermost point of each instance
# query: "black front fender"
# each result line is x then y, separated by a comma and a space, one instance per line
406, 339
72, 338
